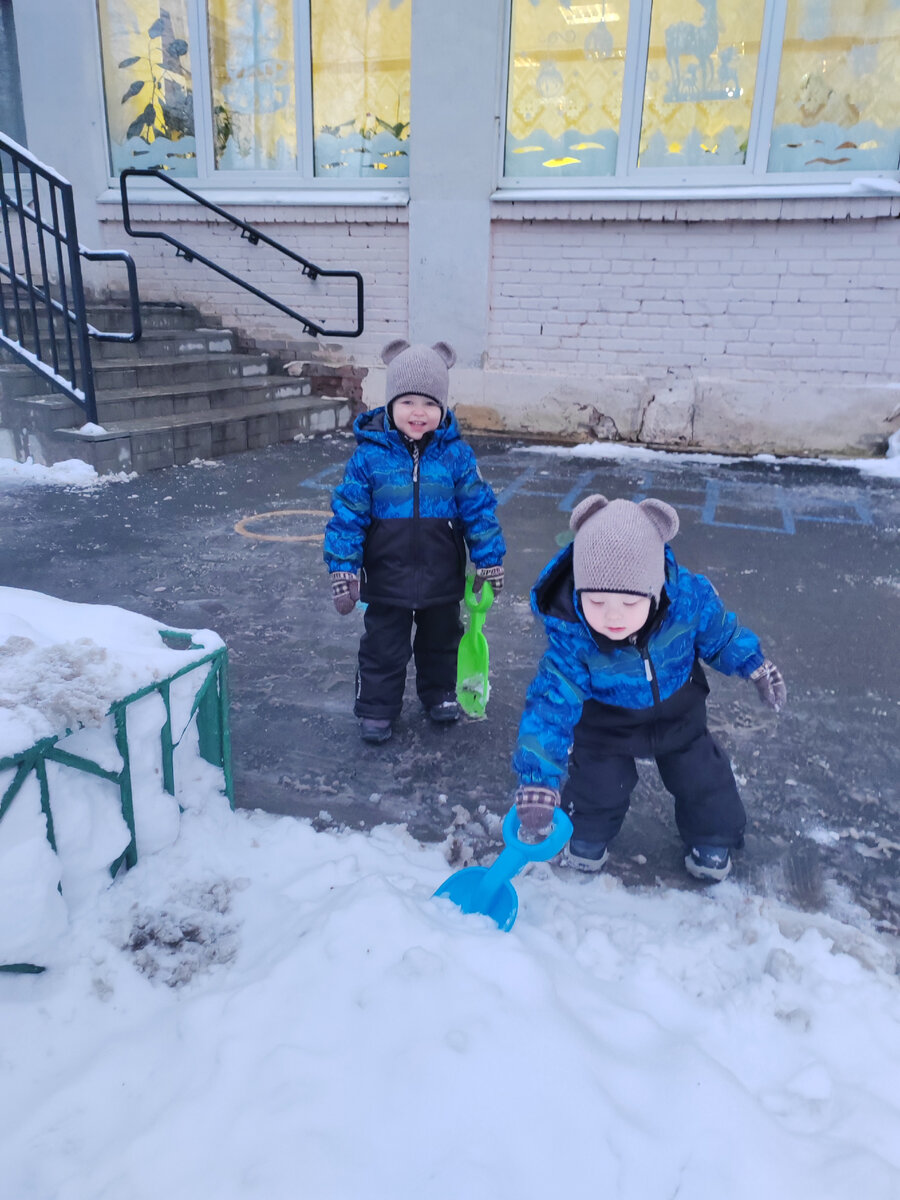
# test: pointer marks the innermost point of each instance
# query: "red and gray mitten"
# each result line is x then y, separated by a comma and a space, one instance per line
344, 591
535, 806
770, 685
493, 575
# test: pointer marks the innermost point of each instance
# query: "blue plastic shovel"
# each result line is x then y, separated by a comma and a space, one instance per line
488, 890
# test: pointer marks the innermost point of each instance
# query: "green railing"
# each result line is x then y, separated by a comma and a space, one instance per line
210, 705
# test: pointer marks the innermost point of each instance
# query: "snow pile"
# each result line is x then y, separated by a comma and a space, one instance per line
262, 1011
887, 467
63, 664
258, 1011
72, 472
61, 667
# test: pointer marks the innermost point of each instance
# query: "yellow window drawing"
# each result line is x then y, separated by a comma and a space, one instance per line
564, 99
251, 59
360, 70
147, 81
838, 103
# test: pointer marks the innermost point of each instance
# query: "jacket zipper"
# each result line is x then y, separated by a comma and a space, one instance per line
414, 451
649, 673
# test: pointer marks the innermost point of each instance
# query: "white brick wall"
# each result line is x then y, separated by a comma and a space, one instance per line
373, 241
744, 299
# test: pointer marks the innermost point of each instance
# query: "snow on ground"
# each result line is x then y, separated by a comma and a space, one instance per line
73, 472
887, 467
261, 1011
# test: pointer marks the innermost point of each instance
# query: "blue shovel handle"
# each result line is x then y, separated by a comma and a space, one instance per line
488, 890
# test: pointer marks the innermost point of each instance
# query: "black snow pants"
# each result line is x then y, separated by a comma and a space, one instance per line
385, 651
692, 764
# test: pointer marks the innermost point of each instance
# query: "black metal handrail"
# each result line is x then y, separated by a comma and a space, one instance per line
254, 236
29, 330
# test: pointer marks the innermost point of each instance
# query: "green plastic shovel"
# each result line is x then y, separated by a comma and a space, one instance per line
472, 683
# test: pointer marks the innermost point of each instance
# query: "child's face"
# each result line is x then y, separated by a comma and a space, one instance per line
416, 415
616, 615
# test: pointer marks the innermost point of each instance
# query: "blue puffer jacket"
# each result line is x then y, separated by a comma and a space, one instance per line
580, 665
404, 515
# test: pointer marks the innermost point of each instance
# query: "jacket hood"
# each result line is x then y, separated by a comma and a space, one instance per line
373, 426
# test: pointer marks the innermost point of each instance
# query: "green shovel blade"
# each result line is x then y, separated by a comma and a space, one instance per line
472, 670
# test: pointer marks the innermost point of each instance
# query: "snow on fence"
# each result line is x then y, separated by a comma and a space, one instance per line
108, 724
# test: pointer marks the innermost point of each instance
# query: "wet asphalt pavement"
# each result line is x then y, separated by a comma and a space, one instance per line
806, 555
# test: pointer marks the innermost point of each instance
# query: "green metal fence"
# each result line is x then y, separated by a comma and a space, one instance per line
210, 705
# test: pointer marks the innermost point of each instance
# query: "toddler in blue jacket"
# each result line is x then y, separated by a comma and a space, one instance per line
410, 503
621, 679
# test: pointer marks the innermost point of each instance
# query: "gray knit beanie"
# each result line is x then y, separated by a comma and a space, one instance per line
418, 371
620, 545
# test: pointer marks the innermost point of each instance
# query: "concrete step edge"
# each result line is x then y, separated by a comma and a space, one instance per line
218, 416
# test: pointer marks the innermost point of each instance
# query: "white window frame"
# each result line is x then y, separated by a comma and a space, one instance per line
630, 182
252, 185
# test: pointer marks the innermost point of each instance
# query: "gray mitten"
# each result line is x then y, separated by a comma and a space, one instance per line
535, 806
494, 576
344, 591
770, 685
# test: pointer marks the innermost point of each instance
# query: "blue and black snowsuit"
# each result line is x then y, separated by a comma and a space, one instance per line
611, 702
403, 516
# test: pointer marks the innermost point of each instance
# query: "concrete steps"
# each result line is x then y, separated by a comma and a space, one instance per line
188, 389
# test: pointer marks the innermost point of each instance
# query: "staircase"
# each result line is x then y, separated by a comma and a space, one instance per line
189, 389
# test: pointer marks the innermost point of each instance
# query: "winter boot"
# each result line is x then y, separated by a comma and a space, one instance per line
445, 712
711, 863
586, 856
372, 729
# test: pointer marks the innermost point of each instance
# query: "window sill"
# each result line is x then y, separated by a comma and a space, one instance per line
261, 197
857, 199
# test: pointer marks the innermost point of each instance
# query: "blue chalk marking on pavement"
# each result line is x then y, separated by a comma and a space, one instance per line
751, 499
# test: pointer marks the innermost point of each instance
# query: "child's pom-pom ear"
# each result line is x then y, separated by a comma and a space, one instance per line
446, 351
586, 509
392, 349
663, 516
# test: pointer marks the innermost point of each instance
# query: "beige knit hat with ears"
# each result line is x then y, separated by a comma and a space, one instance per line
620, 545
418, 371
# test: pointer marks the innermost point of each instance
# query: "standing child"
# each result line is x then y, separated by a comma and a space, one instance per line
411, 500
621, 679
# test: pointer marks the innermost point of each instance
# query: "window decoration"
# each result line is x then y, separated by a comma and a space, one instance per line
708, 92
564, 101
251, 51
700, 82
360, 56
302, 88
149, 91
838, 103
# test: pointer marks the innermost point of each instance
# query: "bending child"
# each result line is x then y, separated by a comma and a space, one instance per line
621, 679
411, 500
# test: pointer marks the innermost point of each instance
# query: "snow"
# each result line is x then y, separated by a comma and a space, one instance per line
887, 467
75, 473
72, 472
258, 1010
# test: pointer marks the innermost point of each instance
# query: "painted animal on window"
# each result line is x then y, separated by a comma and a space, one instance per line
699, 42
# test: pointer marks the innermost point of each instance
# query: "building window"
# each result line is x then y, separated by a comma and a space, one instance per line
258, 91
149, 85
701, 92
838, 101
12, 119
360, 75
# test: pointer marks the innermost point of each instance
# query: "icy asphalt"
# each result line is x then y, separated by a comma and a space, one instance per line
806, 555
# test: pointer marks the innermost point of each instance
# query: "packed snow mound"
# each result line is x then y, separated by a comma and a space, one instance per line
63, 664
260, 1004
